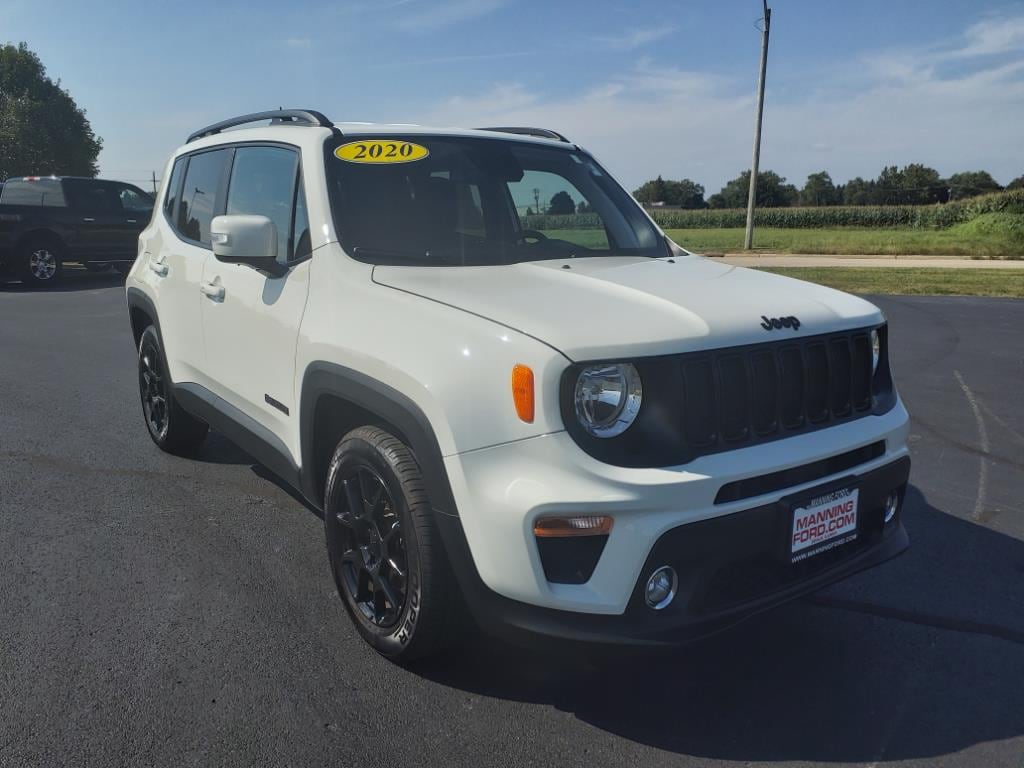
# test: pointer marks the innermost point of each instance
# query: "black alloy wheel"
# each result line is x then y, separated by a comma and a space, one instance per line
374, 565
171, 427
385, 551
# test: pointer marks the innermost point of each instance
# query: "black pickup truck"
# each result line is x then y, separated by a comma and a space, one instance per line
47, 220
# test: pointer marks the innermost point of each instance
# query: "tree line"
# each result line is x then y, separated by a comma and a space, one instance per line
913, 184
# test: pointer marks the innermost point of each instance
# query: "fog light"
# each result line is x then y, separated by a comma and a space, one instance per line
891, 504
661, 588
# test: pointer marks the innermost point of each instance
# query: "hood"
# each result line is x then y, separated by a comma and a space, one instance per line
621, 307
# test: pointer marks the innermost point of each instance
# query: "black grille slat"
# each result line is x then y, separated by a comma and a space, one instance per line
816, 385
699, 402
839, 376
791, 384
733, 398
860, 381
764, 394
744, 395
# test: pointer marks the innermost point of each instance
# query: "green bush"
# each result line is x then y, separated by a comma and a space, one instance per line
872, 216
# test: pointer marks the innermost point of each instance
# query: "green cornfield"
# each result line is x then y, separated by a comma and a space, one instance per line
872, 216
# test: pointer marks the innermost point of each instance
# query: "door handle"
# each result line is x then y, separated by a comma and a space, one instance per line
88, 219
213, 290
130, 221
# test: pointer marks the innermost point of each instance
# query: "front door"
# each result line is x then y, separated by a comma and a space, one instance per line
251, 318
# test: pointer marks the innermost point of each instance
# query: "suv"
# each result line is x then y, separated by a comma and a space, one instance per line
47, 220
560, 423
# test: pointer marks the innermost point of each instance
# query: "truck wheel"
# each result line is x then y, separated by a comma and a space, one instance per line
172, 429
43, 262
389, 566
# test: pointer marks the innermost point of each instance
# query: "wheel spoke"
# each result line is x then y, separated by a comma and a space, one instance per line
381, 583
353, 497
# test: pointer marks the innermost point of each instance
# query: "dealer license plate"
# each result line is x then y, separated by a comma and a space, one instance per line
823, 523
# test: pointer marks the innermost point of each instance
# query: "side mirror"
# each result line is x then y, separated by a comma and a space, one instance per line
245, 239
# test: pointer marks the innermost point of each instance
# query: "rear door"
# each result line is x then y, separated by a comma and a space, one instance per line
194, 197
96, 209
251, 331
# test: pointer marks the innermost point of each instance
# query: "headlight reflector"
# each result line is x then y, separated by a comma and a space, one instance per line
876, 350
608, 398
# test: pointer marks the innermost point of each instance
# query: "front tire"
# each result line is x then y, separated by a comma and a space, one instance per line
169, 425
385, 552
43, 263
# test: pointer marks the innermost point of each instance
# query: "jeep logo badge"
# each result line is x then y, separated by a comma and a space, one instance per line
773, 323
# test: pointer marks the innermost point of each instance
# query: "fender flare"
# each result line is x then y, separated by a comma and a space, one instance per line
137, 299
391, 406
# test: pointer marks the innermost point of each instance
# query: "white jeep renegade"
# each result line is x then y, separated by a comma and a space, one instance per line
507, 390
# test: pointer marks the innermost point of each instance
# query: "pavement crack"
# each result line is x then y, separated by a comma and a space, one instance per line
979, 499
921, 618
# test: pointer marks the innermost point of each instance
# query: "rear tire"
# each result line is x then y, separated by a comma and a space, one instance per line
169, 425
384, 548
43, 262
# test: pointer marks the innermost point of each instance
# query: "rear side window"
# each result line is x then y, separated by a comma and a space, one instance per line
92, 196
263, 183
134, 200
44, 192
174, 188
198, 203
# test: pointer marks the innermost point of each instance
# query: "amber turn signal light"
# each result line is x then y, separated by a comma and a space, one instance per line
583, 525
522, 392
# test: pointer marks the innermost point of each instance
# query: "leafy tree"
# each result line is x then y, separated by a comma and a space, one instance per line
1017, 183
561, 203
857, 191
584, 207
819, 190
971, 183
914, 184
772, 192
653, 191
683, 193
42, 130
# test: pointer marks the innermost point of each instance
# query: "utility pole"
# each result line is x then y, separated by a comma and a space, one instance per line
748, 240
154, 182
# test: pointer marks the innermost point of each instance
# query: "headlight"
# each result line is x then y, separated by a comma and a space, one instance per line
608, 398
876, 350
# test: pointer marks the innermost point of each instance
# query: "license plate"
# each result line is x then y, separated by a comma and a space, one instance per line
823, 523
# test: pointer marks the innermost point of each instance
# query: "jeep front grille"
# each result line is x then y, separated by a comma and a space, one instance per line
735, 397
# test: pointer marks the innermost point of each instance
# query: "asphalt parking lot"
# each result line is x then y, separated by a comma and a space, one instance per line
163, 611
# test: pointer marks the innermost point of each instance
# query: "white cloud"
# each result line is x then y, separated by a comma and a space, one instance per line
447, 13
680, 123
993, 36
634, 38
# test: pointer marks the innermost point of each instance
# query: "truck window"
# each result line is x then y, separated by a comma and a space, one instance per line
134, 200
91, 196
44, 192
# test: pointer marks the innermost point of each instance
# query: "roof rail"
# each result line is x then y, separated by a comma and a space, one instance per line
542, 133
277, 116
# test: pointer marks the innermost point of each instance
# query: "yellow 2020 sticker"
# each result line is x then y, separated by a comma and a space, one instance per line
381, 151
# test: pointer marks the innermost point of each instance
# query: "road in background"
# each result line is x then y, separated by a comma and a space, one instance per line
163, 611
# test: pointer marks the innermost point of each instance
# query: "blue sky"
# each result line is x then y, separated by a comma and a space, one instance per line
649, 87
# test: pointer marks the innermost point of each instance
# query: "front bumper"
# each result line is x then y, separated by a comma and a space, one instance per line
730, 567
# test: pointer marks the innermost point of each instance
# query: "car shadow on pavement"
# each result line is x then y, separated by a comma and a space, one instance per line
807, 682
72, 279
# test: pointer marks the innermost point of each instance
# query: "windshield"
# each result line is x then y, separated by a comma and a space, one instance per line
447, 201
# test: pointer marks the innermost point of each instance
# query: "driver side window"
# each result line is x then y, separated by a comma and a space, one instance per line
550, 204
